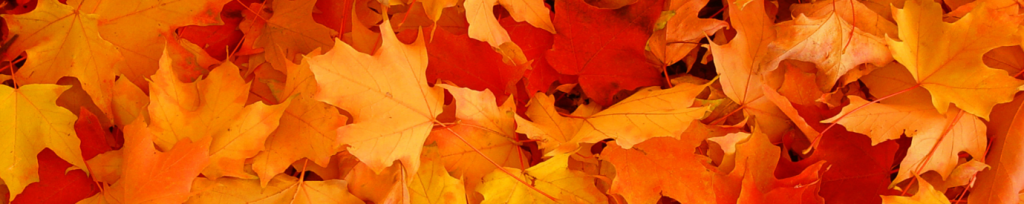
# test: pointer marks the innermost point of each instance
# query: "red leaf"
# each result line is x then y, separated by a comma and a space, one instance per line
857, 172
469, 63
54, 186
218, 40
605, 47
94, 138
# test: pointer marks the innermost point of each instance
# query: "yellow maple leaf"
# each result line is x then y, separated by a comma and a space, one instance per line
432, 184
281, 189
946, 58
138, 29
551, 177
62, 41
650, 112
29, 122
910, 113
926, 194
483, 25
532, 11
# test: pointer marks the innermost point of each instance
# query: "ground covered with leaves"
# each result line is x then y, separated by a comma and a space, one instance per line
512, 101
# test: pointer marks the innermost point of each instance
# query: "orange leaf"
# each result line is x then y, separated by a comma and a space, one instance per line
392, 106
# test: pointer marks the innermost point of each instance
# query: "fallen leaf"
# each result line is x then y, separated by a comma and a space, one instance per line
651, 112
661, 166
925, 194
387, 95
959, 76
30, 122
595, 44
550, 177
281, 189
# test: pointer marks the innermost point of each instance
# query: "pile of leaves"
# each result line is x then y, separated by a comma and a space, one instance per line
512, 101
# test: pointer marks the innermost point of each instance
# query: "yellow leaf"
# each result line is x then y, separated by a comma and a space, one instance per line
62, 41
138, 29
650, 112
432, 183
282, 189
551, 177
531, 11
30, 120
926, 194
946, 58
128, 102
483, 25
909, 113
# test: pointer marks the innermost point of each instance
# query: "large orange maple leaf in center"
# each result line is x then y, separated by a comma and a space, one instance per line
392, 106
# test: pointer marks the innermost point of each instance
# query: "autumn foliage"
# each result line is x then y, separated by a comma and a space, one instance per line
512, 101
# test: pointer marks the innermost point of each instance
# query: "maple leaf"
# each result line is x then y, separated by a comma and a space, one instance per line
744, 155
434, 8
651, 112
926, 193
908, 113
831, 43
308, 128
534, 43
211, 107
483, 126
685, 30
1002, 183
743, 62
857, 13
386, 186
281, 189
138, 29
392, 106
534, 12
283, 29
62, 41
128, 102
470, 63
74, 185
432, 183
106, 167
597, 45
151, 176
550, 177
661, 165
802, 188
31, 121
857, 170
91, 134
946, 58
483, 25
